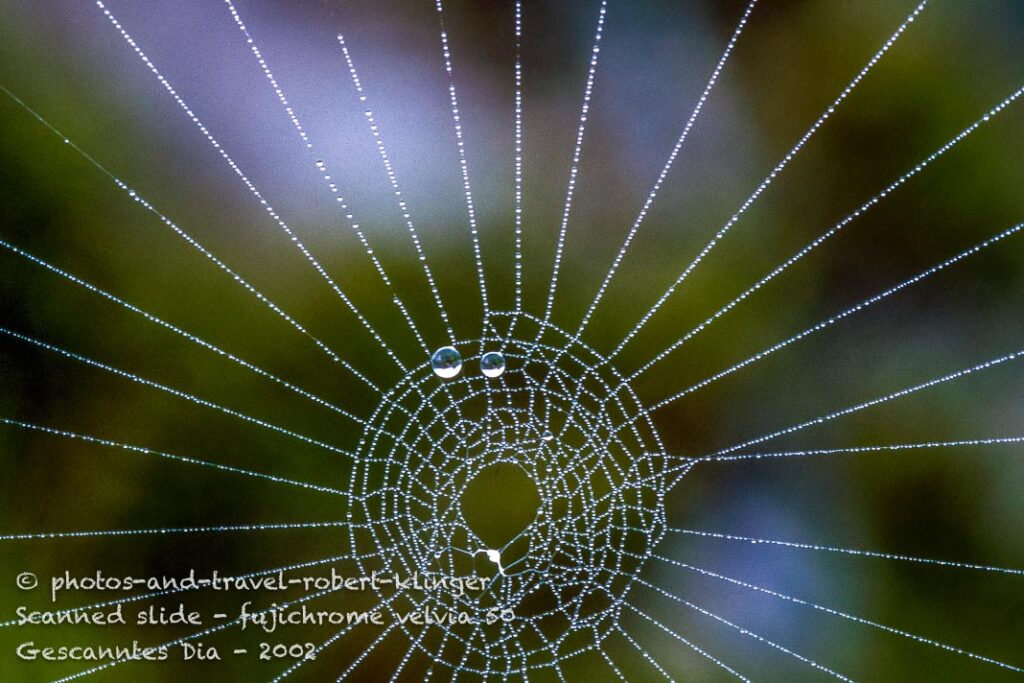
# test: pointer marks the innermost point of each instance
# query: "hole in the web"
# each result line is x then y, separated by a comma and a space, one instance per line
499, 503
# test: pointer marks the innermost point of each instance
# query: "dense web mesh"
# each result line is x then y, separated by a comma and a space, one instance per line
593, 466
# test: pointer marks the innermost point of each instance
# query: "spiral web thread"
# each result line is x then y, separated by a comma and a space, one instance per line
561, 415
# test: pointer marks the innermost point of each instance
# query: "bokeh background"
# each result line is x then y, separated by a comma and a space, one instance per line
955, 62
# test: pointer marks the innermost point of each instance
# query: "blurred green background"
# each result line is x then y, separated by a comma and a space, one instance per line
955, 62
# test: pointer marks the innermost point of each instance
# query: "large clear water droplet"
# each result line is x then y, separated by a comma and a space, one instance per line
492, 364
446, 362
547, 435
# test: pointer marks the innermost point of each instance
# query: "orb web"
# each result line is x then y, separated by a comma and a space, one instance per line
524, 457
565, 420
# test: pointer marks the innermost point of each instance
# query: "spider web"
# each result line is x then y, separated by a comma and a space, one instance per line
562, 416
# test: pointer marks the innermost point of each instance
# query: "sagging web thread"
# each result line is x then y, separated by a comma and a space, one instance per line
561, 413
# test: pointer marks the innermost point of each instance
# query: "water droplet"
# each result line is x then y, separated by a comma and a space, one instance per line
547, 435
446, 362
492, 364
